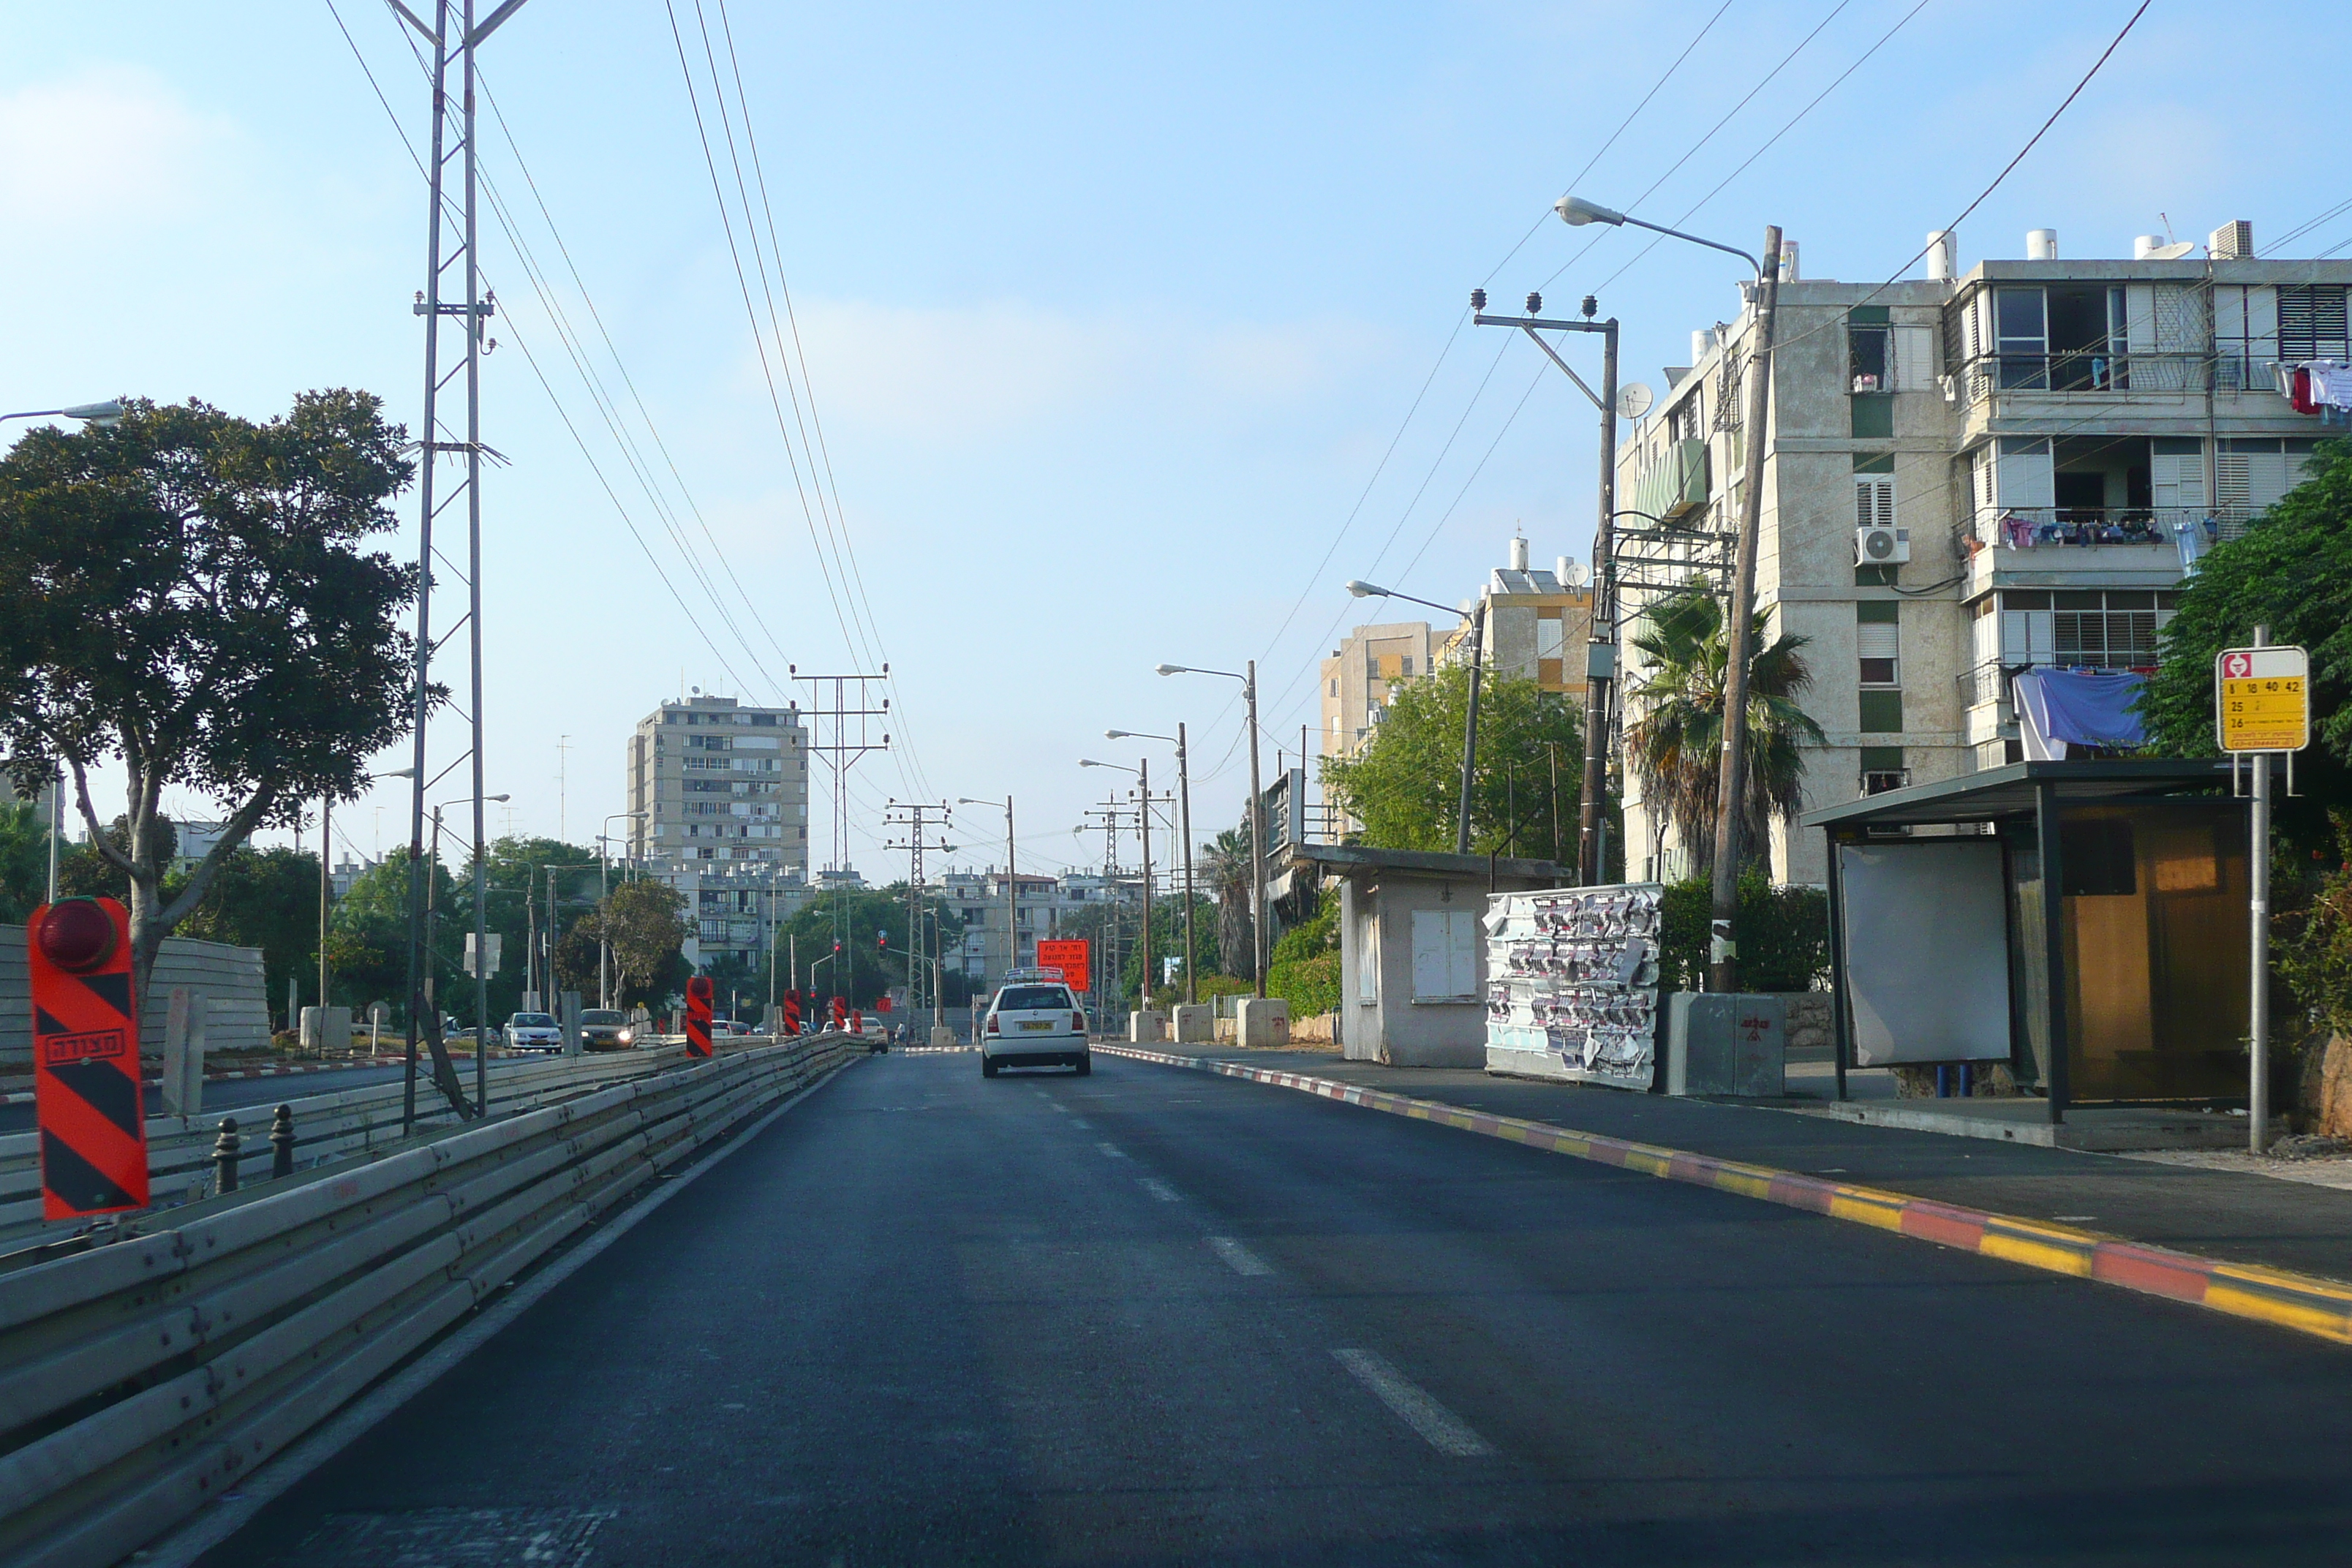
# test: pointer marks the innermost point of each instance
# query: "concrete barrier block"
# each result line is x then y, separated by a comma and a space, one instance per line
1261, 1021
942, 1035
1192, 1023
1147, 1027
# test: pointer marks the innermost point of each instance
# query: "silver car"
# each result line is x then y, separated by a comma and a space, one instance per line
533, 1032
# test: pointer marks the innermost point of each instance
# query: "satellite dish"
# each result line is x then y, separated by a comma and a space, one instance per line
1577, 574
2171, 252
1634, 400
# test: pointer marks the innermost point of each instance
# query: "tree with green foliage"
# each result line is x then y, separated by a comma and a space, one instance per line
1405, 785
1784, 934
1224, 864
370, 920
24, 861
2291, 571
188, 592
1306, 968
646, 923
1673, 734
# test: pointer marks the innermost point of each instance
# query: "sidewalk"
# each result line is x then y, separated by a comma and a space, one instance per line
2226, 1214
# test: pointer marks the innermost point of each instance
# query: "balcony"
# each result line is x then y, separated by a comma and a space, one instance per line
2092, 546
1676, 486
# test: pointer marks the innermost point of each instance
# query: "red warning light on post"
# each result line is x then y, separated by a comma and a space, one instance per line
93, 1123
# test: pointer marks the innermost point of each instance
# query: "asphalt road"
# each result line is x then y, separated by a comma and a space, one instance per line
1157, 1317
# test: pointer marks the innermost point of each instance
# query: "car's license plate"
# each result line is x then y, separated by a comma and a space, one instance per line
1040, 1024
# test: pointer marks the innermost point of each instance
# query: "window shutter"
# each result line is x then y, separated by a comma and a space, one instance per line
1879, 639
1873, 501
2178, 478
1914, 355
2026, 478
2311, 323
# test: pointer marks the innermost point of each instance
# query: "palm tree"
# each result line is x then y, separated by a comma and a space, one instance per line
1676, 746
1225, 862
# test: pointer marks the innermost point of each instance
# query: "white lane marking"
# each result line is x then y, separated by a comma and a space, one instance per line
1113, 1150
1244, 1261
1160, 1190
1411, 1403
1081, 1124
1055, 1103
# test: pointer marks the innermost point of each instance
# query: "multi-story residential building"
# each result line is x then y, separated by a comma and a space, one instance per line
1360, 675
1047, 905
716, 781
1537, 623
1971, 475
724, 791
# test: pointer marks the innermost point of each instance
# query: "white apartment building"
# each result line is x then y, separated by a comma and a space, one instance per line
723, 788
1539, 623
717, 781
1360, 675
1974, 474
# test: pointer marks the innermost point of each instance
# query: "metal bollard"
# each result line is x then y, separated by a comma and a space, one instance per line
281, 1142
224, 1150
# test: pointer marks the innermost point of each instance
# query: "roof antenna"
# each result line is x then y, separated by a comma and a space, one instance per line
2168, 237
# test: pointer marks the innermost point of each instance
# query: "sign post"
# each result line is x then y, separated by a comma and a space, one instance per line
86, 1090
2262, 706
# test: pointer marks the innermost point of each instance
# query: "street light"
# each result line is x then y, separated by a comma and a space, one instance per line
1184, 827
604, 938
1363, 590
1257, 816
1011, 884
101, 413
1731, 779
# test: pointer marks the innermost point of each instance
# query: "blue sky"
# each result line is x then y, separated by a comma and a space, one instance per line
1110, 313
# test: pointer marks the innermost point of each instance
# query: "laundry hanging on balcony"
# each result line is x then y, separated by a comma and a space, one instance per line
2094, 708
2321, 387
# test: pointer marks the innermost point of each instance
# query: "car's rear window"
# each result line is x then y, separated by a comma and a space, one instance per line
533, 1021
1033, 998
600, 1015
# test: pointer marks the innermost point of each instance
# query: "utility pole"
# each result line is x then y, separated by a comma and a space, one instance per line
911, 817
1731, 791
454, 37
1184, 817
326, 896
1143, 827
1600, 658
841, 753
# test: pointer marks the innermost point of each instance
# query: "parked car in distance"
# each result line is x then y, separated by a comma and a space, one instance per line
533, 1032
605, 1029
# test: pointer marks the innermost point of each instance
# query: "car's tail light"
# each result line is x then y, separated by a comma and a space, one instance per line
991, 1022
1078, 1022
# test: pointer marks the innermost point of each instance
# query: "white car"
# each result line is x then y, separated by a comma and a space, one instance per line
533, 1032
1035, 1023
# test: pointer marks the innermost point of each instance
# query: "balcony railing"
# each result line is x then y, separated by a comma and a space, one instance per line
1988, 681
2098, 372
2078, 526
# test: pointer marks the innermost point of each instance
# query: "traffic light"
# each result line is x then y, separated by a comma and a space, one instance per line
882, 941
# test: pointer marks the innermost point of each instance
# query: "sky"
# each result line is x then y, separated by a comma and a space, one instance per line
1132, 333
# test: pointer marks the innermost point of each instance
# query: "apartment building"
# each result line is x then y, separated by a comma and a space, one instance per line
1361, 674
1972, 475
717, 781
1537, 623
722, 788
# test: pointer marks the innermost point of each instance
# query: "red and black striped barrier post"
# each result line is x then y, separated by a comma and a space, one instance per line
86, 1090
698, 1016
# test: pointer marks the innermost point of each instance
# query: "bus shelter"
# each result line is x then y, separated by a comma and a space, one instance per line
1947, 947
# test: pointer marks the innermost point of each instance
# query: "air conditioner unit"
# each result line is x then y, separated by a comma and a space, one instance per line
1881, 546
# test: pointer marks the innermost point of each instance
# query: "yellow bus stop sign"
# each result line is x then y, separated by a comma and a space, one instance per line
2261, 699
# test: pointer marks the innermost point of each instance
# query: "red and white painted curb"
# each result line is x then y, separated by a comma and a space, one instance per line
2300, 1302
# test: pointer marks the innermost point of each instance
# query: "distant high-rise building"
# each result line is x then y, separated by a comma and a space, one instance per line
724, 791
717, 781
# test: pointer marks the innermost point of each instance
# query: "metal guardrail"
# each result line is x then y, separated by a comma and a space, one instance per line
141, 1379
331, 1126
